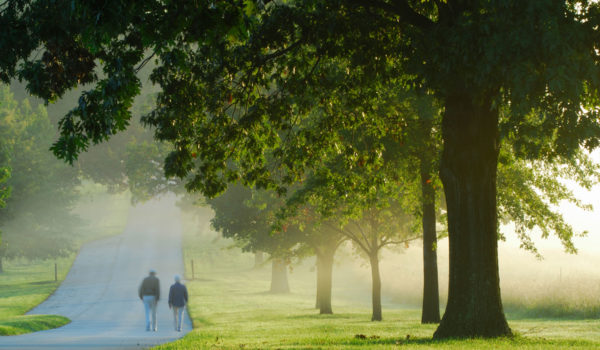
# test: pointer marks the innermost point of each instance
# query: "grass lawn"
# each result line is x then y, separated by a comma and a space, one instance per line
231, 309
23, 287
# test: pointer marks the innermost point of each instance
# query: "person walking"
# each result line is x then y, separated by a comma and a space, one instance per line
149, 293
178, 297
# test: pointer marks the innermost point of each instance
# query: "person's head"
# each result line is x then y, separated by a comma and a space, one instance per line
177, 278
152, 272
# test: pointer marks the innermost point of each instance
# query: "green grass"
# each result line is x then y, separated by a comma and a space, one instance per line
30, 323
25, 285
231, 309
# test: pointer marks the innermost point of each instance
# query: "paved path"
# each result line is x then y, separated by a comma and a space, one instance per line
99, 294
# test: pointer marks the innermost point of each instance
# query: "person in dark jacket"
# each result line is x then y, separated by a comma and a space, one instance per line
149, 293
178, 297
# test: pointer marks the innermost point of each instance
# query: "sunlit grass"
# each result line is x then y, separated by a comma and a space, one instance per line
23, 286
30, 323
231, 309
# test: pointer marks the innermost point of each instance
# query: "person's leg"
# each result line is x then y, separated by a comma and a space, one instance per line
153, 309
180, 317
175, 314
147, 307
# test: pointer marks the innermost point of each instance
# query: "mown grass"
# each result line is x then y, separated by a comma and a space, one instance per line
30, 323
25, 285
231, 309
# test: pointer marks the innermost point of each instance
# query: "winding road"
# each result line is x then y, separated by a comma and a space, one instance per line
99, 294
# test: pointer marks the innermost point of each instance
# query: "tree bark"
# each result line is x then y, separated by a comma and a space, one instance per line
279, 280
324, 278
258, 259
376, 289
318, 297
468, 171
430, 313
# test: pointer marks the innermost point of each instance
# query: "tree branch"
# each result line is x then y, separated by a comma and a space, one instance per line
364, 235
351, 235
400, 8
400, 242
144, 62
281, 52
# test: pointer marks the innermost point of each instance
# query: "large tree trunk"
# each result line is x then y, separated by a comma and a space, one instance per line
376, 289
468, 171
430, 313
324, 277
258, 259
279, 280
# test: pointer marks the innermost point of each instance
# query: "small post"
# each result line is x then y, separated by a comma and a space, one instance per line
55, 272
192, 269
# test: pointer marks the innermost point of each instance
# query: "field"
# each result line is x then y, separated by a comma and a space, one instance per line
231, 309
25, 283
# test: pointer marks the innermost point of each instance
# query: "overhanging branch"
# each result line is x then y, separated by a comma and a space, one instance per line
400, 8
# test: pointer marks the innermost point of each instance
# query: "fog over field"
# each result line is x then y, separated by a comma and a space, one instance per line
559, 284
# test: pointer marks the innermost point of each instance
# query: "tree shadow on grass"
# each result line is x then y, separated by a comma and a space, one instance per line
317, 316
38, 283
202, 321
23, 289
199, 279
364, 340
516, 341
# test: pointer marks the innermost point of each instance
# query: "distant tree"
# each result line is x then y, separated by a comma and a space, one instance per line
37, 221
144, 170
367, 210
322, 241
4, 194
247, 216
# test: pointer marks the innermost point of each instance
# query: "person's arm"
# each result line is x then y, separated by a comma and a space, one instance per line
157, 290
185, 294
170, 297
140, 291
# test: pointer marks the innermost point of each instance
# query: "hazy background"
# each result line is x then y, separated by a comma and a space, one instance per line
558, 285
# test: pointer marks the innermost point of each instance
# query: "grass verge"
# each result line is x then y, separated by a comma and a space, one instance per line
25, 285
30, 323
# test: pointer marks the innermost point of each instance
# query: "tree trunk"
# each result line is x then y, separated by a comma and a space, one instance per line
318, 297
324, 277
279, 280
376, 289
468, 171
258, 259
430, 313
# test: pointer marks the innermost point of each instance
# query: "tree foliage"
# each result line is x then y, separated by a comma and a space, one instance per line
37, 220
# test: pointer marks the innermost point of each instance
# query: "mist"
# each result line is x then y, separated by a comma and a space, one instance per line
558, 284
